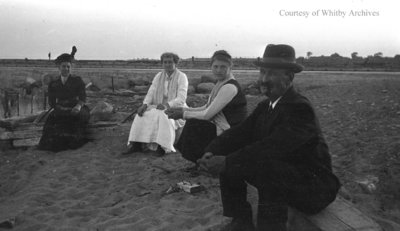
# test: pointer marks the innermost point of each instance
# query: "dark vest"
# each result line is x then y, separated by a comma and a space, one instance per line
236, 110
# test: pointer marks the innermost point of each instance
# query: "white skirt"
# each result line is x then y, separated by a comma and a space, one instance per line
154, 128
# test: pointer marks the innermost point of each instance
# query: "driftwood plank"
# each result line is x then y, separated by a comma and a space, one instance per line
339, 216
28, 134
24, 134
26, 142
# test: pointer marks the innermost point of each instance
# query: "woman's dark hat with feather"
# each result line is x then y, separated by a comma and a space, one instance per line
66, 57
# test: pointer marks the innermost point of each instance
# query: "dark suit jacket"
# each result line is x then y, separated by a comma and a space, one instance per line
291, 133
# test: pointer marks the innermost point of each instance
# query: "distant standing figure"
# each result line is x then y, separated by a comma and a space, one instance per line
151, 127
49, 56
66, 123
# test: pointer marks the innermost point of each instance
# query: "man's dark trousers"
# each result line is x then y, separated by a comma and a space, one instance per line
279, 185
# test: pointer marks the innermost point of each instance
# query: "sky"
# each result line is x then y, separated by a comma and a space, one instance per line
130, 29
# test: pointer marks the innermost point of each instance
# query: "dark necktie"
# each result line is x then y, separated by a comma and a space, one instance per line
269, 109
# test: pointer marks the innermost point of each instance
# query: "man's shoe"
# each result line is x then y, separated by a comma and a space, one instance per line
239, 225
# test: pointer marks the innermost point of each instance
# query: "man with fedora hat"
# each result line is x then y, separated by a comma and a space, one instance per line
279, 149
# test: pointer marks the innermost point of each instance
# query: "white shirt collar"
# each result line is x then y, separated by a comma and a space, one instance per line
64, 79
274, 103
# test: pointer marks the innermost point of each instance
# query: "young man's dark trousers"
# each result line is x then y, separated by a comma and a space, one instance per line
279, 185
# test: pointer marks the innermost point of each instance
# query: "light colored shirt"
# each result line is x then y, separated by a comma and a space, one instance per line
224, 96
64, 79
179, 100
274, 103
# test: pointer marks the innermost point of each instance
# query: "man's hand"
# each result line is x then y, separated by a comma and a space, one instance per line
175, 113
75, 110
141, 110
202, 161
213, 164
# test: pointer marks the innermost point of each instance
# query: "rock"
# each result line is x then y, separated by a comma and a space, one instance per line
141, 89
196, 100
253, 91
106, 90
208, 79
91, 87
368, 184
191, 90
205, 87
139, 81
124, 92
102, 111
194, 82
46, 79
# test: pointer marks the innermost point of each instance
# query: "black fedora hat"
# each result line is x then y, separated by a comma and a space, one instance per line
279, 56
69, 58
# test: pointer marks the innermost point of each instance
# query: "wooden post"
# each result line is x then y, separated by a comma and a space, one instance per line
32, 103
44, 100
17, 104
112, 83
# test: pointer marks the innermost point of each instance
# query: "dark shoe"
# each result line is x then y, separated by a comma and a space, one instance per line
132, 147
239, 225
160, 151
275, 227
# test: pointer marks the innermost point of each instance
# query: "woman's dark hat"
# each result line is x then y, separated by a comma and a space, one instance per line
279, 56
66, 57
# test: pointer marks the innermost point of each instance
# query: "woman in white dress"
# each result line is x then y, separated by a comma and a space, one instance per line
152, 129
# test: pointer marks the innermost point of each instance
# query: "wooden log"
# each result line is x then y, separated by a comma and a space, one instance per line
24, 134
15, 122
29, 134
26, 142
341, 215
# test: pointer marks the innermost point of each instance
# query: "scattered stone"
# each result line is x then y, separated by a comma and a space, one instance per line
194, 82
91, 87
139, 81
124, 92
196, 100
191, 90
368, 185
205, 87
46, 79
106, 90
253, 91
141, 89
326, 105
8, 224
102, 111
208, 79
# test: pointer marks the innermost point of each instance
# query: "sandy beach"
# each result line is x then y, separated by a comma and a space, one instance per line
97, 188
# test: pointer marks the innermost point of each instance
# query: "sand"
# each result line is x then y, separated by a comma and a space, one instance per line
97, 188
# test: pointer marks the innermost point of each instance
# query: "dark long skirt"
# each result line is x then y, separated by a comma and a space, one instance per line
62, 132
195, 137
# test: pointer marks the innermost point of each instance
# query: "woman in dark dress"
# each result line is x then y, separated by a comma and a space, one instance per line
226, 107
66, 123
